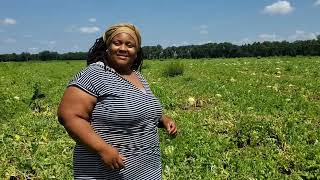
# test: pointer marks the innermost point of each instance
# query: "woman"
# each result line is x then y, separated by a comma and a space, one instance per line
109, 109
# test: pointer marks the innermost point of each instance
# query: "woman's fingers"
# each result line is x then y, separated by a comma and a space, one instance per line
173, 131
120, 162
172, 128
122, 157
168, 128
115, 164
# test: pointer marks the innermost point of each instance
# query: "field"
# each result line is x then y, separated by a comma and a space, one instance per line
252, 118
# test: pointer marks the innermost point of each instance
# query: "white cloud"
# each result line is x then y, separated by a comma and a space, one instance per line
9, 21
10, 40
269, 37
164, 43
75, 47
185, 43
45, 42
52, 42
50, 45
92, 20
298, 35
27, 36
89, 30
71, 28
33, 50
279, 7
242, 41
302, 35
203, 42
203, 29
317, 3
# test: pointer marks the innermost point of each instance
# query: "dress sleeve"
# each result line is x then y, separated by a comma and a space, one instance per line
87, 80
160, 124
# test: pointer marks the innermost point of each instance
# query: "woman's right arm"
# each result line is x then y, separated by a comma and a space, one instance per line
74, 114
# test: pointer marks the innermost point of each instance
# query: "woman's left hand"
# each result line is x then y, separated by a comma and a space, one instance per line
169, 125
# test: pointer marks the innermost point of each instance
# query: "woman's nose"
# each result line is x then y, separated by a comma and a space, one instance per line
123, 47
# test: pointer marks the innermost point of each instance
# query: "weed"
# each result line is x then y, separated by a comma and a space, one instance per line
174, 69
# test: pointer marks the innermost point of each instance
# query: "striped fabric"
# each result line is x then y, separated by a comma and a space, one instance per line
125, 117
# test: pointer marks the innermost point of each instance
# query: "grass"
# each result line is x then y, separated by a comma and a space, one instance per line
258, 118
175, 68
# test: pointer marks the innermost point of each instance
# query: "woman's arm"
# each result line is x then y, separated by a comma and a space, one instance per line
168, 124
74, 114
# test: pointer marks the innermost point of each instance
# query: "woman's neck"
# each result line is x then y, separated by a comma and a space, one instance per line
122, 71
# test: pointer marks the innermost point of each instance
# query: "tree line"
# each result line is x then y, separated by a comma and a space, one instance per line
43, 56
209, 50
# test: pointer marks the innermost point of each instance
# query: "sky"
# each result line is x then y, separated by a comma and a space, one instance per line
73, 25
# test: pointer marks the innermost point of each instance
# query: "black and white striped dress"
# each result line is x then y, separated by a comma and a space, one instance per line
125, 117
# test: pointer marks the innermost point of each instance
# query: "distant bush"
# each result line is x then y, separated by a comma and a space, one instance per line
145, 66
173, 69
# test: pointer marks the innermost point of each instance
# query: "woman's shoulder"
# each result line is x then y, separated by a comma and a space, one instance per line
141, 77
94, 78
139, 74
97, 68
92, 72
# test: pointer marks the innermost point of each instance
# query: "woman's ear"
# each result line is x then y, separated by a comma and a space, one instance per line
139, 52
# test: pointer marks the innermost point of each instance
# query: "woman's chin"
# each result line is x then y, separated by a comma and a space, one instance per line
123, 64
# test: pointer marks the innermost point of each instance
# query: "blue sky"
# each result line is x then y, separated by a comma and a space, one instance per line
73, 25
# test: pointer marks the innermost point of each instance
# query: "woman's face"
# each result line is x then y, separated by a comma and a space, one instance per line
122, 51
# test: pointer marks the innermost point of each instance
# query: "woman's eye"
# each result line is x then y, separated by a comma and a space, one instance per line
130, 45
116, 43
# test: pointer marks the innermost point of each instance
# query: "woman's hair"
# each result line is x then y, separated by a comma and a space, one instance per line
98, 51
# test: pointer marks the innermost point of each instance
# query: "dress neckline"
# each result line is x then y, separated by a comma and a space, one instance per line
141, 90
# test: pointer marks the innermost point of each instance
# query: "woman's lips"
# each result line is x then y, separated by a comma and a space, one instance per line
122, 56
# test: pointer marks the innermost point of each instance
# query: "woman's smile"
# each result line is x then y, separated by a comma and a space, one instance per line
122, 56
